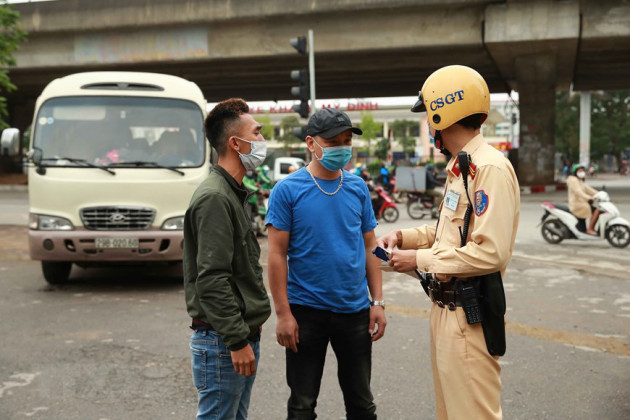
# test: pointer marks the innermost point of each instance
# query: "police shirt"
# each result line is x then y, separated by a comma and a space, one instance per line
495, 193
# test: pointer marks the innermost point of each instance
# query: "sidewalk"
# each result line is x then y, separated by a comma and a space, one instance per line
13, 187
13, 182
532, 189
605, 179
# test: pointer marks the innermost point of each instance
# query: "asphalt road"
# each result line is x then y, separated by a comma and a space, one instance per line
113, 343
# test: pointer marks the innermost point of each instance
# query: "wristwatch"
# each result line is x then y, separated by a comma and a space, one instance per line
380, 303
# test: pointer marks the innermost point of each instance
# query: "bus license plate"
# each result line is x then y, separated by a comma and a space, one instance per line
116, 242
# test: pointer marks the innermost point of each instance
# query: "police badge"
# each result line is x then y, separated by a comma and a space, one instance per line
481, 202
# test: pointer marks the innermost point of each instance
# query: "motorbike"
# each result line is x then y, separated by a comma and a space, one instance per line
421, 204
384, 206
392, 191
559, 224
257, 205
263, 179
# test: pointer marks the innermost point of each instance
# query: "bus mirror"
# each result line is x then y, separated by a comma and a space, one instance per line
35, 155
10, 142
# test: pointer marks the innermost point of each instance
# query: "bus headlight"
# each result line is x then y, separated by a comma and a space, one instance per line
45, 222
174, 223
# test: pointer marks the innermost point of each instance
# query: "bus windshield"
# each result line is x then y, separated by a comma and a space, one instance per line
113, 130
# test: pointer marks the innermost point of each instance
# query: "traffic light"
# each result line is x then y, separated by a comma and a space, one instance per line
299, 44
302, 90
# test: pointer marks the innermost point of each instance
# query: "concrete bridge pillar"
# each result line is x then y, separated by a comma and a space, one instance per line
534, 46
21, 111
536, 78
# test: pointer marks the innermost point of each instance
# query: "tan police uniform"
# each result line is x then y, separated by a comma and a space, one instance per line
466, 377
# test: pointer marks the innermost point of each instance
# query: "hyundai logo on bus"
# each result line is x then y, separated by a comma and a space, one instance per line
117, 218
447, 100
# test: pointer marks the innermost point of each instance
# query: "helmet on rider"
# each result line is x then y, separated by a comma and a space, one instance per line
450, 95
575, 168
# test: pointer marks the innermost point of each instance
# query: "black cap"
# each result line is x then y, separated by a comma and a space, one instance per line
329, 122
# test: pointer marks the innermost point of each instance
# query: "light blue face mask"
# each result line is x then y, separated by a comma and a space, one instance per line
334, 158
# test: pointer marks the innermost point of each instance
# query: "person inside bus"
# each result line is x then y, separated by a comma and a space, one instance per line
175, 148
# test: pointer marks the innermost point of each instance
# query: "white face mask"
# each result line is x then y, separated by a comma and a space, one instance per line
256, 156
581, 174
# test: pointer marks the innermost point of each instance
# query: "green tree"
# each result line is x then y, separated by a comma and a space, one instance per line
374, 168
287, 124
610, 123
382, 147
10, 37
568, 126
370, 128
400, 133
267, 128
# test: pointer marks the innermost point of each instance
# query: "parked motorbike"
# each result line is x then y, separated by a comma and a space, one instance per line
558, 223
421, 204
384, 206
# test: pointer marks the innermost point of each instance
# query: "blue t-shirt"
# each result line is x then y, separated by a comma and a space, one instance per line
326, 253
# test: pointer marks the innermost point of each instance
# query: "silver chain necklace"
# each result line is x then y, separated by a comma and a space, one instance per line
320, 188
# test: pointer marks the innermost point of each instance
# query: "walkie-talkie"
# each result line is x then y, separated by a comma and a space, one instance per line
470, 301
466, 289
463, 159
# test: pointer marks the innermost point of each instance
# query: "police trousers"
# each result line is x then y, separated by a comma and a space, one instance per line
465, 376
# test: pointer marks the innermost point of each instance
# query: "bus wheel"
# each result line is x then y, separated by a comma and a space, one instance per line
56, 272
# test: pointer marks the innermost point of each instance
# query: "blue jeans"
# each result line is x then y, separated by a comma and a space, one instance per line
223, 393
349, 337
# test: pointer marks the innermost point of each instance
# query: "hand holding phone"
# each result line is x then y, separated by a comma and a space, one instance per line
381, 253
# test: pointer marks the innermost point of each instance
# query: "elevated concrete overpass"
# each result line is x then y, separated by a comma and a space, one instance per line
364, 48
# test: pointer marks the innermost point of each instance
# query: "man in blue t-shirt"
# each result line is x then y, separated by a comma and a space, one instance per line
321, 233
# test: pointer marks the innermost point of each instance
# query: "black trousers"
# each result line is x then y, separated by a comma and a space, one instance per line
349, 337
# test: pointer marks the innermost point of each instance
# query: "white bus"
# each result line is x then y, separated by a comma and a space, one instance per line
115, 158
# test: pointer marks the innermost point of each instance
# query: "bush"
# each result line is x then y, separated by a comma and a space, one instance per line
374, 168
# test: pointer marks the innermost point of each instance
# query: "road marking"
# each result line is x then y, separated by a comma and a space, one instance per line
607, 344
25, 378
609, 269
625, 298
35, 410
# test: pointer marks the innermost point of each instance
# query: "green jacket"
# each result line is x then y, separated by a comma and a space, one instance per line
222, 276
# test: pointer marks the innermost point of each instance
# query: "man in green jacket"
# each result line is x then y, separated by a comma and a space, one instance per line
225, 294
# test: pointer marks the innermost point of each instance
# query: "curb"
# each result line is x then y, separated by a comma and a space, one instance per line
532, 189
13, 187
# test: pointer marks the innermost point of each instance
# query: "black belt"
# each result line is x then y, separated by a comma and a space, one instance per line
444, 294
199, 325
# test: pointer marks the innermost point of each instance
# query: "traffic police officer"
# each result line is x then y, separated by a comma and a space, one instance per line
460, 253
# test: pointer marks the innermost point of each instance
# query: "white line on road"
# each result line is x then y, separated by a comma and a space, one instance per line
26, 379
